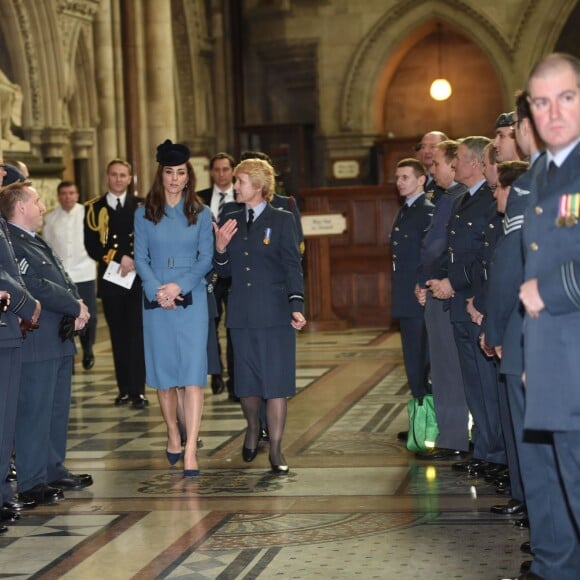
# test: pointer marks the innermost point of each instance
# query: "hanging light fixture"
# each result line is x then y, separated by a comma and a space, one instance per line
440, 88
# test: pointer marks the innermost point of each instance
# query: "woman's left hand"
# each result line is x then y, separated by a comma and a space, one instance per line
167, 295
298, 321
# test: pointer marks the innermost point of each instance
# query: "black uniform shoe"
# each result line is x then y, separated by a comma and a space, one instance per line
139, 402
3, 529
18, 504
526, 548
440, 454
88, 361
512, 508
217, 384
264, 435
7, 515
122, 400
11, 473
42, 494
522, 524
402, 436
73, 482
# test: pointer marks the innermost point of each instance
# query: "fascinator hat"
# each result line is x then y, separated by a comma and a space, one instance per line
170, 154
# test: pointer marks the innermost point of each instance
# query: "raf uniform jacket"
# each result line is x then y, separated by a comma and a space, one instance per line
466, 230
433, 260
552, 341
406, 236
47, 281
286, 202
22, 304
266, 271
109, 236
504, 313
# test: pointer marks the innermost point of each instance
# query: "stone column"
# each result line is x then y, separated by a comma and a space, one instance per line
83, 141
160, 70
109, 89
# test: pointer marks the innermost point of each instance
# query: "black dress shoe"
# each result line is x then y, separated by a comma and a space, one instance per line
18, 504
72, 481
233, 397
11, 477
139, 402
42, 494
494, 474
248, 455
279, 469
522, 524
3, 529
7, 515
467, 465
440, 454
264, 435
526, 548
122, 400
88, 361
402, 436
217, 384
512, 508
525, 567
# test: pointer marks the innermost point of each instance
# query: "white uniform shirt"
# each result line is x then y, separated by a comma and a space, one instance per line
64, 231
215, 199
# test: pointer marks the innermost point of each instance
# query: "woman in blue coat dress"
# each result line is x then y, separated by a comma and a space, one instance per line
257, 246
173, 253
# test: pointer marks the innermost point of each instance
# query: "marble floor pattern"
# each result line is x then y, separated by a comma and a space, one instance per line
356, 503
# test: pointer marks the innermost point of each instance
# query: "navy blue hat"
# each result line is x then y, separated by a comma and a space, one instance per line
12, 174
170, 154
505, 120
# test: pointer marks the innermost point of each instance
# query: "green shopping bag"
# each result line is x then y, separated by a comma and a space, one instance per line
423, 429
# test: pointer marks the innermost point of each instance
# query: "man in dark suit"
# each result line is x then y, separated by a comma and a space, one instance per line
406, 235
446, 380
45, 384
551, 298
108, 227
221, 168
18, 304
470, 218
425, 153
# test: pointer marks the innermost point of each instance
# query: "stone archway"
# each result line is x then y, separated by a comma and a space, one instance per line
510, 51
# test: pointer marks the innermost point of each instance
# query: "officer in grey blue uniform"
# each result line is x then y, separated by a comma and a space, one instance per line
466, 234
409, 227
22, 305
551, 297
45, 385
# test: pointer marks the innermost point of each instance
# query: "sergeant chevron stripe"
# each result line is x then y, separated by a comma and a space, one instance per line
512, 224
23, 266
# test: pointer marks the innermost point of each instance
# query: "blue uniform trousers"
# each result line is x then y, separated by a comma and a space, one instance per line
10, 365
481, 391
42, 421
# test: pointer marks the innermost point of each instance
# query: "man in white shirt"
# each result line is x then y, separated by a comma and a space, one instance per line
64, 231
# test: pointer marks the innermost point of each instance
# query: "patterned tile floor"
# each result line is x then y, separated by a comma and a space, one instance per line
356, 503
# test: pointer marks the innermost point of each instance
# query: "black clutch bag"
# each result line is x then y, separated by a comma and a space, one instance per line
152, 304
66, 328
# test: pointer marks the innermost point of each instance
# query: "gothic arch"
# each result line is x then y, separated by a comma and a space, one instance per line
410, 20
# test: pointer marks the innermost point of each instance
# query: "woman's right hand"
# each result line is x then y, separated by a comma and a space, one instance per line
224, 235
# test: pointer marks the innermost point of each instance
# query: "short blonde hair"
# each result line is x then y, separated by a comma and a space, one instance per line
261, 175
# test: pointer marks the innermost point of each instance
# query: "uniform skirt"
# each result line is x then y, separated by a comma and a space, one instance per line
264, 361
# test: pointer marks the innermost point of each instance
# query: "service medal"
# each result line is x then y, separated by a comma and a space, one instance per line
568, 210
267, 236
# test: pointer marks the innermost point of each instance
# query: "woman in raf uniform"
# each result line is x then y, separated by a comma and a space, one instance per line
257, 246
173, 253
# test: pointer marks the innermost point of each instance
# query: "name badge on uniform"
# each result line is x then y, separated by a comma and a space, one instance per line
568, 210
267, 236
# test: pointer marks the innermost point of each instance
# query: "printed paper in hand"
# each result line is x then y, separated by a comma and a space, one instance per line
113, 274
